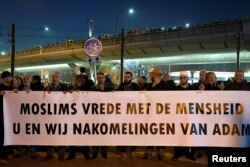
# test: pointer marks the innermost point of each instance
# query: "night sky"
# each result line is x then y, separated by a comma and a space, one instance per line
67, 19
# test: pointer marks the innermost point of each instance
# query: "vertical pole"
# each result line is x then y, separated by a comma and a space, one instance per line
238, 52
92, 63
13, 49
122, 55
92, 67
90, 26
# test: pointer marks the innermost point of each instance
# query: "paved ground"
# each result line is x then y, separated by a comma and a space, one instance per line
112, 161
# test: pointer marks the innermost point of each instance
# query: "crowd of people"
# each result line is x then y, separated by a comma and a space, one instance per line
159, 82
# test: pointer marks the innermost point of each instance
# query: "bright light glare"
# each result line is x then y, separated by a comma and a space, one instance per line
46, 28
131, 11
56, 66
187, 25
162, 28
3, 53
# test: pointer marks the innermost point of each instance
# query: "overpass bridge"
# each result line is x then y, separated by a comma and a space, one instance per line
202, 44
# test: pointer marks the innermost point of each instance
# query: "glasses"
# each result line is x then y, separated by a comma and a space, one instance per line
183, 77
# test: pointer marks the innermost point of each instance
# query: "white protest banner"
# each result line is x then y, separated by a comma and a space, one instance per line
160, 118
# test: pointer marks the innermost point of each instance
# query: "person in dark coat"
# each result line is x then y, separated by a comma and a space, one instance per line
22, 150
157, 84
211, 82
202, 80
108, 82
36, 83
168, 81
25, 85
55, 85
127, 85
15, 83
142, 83
101, 86
4, 86
80, 85
183, 84
189, 152
239, 82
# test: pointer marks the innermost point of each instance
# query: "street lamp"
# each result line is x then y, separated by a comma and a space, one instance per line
130, 11
3, 53
44, 30
187, 25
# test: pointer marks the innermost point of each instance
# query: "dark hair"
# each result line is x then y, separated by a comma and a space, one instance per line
81, 78
37, 78
143, 77
18, 79
130, 73
6, 74
209, 73
100, 73
85, 77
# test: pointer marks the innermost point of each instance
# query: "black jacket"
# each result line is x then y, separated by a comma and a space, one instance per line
160, 86
131, 87
237, 86
60, 87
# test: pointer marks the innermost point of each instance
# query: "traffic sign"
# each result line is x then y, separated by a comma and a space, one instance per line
93, 47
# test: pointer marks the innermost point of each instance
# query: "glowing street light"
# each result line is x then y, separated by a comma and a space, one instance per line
46, 28
187, 25
42, 30
3, 53
130, 12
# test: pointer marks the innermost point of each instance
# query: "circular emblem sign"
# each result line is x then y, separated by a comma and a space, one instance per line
93, 47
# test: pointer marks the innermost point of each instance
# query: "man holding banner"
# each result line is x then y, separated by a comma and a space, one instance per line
101, 87
189, 152
239, 82
128, 85
55, 85
157, 84
80, 85
4, 86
